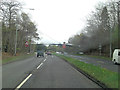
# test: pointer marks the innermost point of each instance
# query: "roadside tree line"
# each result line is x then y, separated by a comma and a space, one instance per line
14, 19
100, 36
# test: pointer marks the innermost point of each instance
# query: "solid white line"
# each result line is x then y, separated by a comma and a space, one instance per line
40, 65
23, 82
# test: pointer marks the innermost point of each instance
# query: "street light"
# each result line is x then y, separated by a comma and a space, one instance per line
17, 29
16, 40
31, 9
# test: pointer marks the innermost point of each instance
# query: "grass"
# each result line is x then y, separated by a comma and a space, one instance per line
6, 58
109, 78
100, 57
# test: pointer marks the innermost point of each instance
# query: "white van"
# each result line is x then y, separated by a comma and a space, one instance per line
116, 56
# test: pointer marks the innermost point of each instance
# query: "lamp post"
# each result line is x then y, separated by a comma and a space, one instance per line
16, 32
110, 41
16, 42
16, 35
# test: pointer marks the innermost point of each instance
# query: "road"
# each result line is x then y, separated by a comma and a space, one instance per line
48, 72
14, 73
108, 64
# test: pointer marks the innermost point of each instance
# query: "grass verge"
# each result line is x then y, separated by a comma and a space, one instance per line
15, 58
109, 78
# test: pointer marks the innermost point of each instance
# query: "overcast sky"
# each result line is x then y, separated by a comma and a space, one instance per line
57, 20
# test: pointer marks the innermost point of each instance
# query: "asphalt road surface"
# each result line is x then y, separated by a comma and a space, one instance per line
108, 64
48, 72
13, 73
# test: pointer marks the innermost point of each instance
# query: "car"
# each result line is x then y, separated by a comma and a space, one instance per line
58, 52
40, 53
81, 53
116, 56
49, 53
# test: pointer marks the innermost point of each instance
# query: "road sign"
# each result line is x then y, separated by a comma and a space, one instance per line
64, 46
26, 44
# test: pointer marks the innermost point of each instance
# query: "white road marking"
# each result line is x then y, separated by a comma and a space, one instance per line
19, 86
23, 82
44, 60
40, 65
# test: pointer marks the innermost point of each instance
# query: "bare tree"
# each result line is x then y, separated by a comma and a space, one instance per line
12, 20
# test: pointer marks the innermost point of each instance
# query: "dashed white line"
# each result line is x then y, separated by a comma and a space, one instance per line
40, 65
19, 86
44, 60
